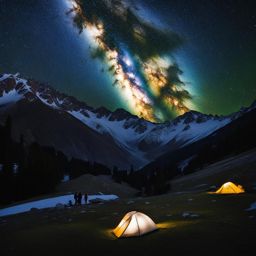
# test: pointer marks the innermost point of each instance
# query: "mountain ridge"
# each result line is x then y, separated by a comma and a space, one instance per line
140, 139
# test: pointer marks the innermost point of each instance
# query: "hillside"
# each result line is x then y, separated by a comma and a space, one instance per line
240, 169
95, 184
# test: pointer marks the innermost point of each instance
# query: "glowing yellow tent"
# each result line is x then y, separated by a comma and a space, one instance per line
134, 224
230, 188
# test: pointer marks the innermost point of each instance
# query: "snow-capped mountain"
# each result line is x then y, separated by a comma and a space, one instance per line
140, 140
232, 139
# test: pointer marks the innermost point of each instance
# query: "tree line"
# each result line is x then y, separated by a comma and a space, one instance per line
32, 170
149, 183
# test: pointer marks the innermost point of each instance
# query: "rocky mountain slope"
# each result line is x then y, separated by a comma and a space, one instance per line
114, 138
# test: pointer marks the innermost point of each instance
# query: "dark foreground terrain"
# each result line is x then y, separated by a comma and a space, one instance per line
189, 224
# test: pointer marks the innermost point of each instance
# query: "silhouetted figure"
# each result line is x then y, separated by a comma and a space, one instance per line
79, 199
85, 198
76, 198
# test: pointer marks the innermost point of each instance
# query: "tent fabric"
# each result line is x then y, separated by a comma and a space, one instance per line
134, 224
230, 188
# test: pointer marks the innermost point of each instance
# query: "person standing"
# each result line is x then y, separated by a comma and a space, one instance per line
85, 198
76, 198
79, 198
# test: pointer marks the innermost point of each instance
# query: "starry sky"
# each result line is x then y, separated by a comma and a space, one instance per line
155, 58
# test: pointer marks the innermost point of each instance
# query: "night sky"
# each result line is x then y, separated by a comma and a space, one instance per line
155, 58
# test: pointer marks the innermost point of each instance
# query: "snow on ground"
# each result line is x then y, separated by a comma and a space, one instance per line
124, 137
50, 202
53, 104
11, 96
183, 164
185, 133
115, 128
252, 207
201, 130
17, 80
66, 178
5, 76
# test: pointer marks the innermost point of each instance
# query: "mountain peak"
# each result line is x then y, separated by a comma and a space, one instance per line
135, 136
121, 114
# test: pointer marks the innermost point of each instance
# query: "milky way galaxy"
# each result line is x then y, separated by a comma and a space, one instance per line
138, 55
154, 58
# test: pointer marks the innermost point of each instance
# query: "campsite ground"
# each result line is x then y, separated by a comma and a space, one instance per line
189, 223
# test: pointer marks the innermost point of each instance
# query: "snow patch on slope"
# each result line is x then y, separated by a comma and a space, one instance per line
186, 133
5, 76
252, 207
183, 164
128, 131
10, 97
52, 105
48, 203
201, 130
15, 94
125, 137
17, 79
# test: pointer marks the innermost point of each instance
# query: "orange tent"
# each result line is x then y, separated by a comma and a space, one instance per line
229, 188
